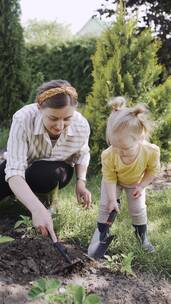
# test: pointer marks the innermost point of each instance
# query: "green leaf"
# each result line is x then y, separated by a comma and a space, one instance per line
55, 298
78, 293
52, 284
5, 239
34, 292
41, 284
92, 299
18, 223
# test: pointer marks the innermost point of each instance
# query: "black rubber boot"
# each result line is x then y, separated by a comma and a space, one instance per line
104, 227
141, 234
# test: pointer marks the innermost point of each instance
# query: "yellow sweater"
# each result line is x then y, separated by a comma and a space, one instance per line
114, 170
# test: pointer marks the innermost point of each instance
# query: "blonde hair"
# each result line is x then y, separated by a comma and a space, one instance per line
133, 119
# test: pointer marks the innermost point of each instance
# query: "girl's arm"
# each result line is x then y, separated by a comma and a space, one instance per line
40, 215
108, 191
147, 180
152, 170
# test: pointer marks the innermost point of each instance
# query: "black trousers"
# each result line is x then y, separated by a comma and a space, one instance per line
42, 176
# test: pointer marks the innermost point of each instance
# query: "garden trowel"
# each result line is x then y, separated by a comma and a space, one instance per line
60, 248
101, 238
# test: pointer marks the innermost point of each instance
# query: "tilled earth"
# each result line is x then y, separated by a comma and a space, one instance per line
27, 259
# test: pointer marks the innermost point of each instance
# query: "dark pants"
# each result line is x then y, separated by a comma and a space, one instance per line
42, 176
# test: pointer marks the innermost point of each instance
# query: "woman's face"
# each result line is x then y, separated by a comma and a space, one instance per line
56, 120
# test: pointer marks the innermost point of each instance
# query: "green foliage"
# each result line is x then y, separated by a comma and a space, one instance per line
27, 223
70, 61
14, 73
38, 80
125, 63
49, 33
5, 239
49, 289
113, 262
157, 15
4, 132
159, 100
120, 263
127, 263
43, 287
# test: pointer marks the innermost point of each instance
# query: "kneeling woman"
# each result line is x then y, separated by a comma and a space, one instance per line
47, 140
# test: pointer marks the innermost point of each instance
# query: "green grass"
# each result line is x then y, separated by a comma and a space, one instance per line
75, 224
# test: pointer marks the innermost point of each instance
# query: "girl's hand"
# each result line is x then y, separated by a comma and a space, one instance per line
83, 194
113, 206
137, 192
42, 220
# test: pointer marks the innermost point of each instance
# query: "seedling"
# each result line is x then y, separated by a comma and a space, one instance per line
27, 223
122, 263
113, 262
127, 263
51, 291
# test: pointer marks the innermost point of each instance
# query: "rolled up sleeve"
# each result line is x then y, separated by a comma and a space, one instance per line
84, 153
17, 148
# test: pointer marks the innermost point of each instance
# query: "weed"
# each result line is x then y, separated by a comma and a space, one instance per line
28, 226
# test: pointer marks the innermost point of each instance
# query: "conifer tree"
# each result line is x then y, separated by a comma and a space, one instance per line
14, 75
125, 63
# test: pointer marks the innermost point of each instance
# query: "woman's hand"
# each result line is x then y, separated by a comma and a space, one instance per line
83, 194
42, 220
137, 192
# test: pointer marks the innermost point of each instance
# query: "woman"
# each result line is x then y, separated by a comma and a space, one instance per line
47, 140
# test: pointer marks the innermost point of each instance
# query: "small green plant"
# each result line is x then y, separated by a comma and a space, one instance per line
43, 288
27, 223
50, 290
127, 263
5, 239
113, 262
122, 263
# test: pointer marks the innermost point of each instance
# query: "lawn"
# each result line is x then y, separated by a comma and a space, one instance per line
75, 224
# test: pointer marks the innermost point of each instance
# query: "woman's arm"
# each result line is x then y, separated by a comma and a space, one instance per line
40, 215
83, 194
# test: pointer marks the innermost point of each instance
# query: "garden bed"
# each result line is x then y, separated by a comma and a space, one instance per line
26, 259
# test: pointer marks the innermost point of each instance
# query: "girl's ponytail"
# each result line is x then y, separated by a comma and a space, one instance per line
139, 109
117, 103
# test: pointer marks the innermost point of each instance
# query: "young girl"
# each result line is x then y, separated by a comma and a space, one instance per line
48, 140
130, 163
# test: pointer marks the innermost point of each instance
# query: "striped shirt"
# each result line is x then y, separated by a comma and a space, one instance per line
29, 141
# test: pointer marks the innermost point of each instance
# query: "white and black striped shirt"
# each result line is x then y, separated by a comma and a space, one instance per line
29, 141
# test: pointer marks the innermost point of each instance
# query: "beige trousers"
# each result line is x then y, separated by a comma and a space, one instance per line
136, 206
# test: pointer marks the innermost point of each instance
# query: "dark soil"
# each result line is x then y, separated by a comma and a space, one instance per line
27, 259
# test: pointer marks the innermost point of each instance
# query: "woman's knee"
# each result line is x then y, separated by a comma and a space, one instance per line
43, 176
